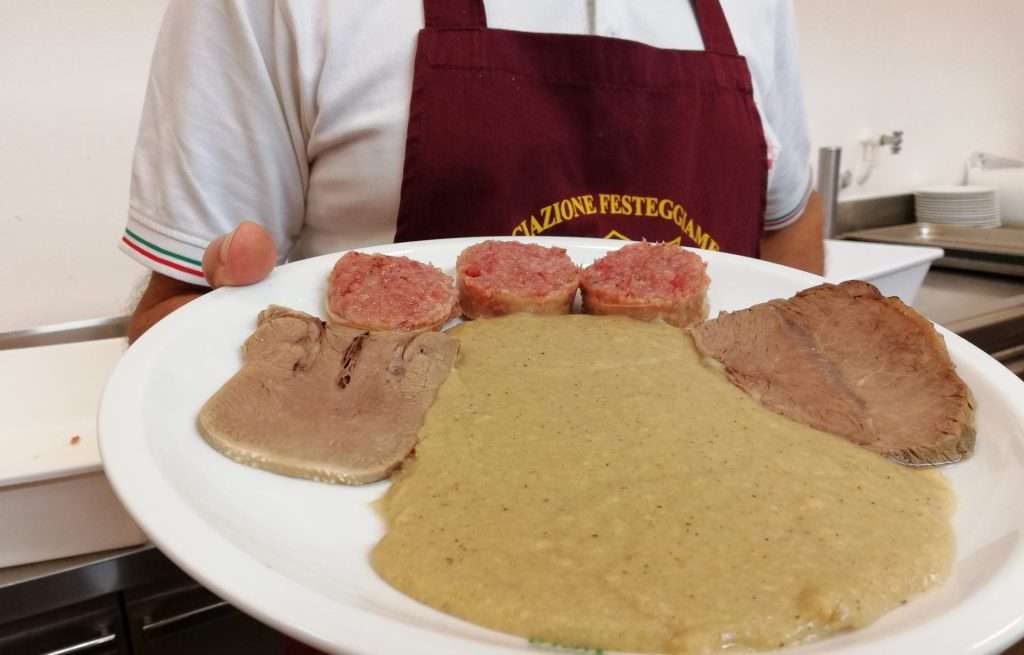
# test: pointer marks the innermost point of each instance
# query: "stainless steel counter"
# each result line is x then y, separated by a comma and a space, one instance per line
987, 310
951, 297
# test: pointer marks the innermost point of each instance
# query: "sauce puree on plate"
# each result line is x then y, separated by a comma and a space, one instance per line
589, 481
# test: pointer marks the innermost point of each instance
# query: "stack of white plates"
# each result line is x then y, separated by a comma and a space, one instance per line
969, 206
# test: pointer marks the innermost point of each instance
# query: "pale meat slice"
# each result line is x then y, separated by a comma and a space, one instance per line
845, 359
328, 403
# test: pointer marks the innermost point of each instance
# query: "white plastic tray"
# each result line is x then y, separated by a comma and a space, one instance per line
895, 270
55, 500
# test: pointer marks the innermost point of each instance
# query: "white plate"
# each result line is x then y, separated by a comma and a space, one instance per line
991, 209
954, 211
988, 200
962, 190
978, 224
957, 213
293, 553
925, 218
957, 218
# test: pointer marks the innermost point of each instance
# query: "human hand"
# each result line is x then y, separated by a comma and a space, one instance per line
244, 256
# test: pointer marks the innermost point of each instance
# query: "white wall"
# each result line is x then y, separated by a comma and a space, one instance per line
72, 79
949, 73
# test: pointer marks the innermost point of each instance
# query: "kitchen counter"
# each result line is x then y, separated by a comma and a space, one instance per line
987, 310
951, 297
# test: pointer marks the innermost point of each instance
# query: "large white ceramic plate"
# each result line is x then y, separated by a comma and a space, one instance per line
293, 553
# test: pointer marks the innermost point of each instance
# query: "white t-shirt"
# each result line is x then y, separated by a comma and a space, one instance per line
293, 113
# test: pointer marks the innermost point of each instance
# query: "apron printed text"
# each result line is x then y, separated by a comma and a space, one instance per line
614, 204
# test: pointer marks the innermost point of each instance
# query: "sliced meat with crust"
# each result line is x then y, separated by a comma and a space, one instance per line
845, 359
648, 281
495, 278
327, 403
382, 292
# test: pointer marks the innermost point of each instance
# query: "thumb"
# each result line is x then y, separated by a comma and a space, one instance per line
243, 256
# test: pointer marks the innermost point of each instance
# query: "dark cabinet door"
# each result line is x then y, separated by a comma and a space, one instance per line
94, 627
182, 617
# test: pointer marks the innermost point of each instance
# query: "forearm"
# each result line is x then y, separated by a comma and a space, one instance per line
799, 245
162, 296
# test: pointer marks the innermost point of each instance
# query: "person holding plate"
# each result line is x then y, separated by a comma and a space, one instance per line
275, 130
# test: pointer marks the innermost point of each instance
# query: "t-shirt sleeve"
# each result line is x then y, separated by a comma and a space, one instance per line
222, 136
791, 178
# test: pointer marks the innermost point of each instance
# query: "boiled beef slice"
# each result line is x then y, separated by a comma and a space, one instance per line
846, 360
328, 403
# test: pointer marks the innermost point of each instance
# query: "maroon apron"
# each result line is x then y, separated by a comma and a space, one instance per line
520, 133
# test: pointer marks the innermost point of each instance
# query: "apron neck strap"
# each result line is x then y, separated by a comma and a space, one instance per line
454, 14
714, 29
470, 14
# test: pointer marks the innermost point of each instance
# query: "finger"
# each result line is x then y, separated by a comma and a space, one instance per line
245, 255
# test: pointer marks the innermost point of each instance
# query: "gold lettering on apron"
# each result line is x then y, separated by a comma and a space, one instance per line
565, 210
702, 237
650, 207
549, 220
689, 231
588, 202
578, 206
613, 204
678, 215
664, 211
568, 209
621, 206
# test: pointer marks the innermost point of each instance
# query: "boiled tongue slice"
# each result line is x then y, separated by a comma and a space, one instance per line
333, 404
846, 360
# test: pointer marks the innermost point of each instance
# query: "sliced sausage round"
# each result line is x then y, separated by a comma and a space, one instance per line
647, 281
381, 292
505, 277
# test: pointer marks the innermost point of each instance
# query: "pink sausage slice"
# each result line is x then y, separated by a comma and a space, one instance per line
648, 281
505, 277
380, 292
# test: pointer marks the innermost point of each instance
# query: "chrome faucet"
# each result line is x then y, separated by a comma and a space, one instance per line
893, 140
